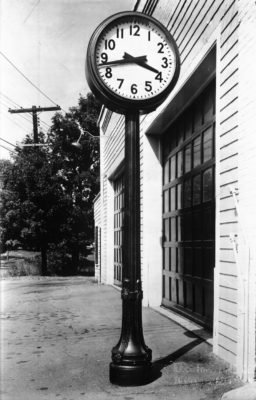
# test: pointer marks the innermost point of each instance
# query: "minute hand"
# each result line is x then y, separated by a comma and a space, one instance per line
145, 65
130, 60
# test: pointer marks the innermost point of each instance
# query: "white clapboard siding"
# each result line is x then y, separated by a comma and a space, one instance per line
193, 24
97, 223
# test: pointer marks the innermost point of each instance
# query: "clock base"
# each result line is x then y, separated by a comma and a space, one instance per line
130, 375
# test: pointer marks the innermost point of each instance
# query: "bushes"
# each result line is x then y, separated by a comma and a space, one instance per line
22, 266
60, 263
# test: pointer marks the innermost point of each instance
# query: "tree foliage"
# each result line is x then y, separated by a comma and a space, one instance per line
49, 191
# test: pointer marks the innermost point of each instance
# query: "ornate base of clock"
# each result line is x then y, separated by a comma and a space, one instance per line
132, 375
131, 358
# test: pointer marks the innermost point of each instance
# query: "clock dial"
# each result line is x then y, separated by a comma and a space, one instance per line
135, 59
132, 62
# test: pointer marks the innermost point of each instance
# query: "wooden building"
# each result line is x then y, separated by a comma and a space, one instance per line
198, 152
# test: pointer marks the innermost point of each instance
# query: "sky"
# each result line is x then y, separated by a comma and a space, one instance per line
43, 47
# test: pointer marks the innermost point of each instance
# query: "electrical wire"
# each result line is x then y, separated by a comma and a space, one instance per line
22, 116
8, 107
10, 100
27, 17
6, 148
16, 123
27, 79
6, 141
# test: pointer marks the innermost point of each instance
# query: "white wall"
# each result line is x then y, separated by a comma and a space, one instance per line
196, 27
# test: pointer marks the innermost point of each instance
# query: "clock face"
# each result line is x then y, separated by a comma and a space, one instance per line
134, 58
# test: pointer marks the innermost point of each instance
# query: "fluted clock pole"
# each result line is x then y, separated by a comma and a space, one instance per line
131, 358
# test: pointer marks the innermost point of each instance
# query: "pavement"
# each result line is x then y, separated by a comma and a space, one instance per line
56, 341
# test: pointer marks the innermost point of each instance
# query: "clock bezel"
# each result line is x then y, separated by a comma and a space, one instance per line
112, 100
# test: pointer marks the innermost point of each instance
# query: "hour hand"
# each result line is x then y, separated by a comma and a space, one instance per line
142, 63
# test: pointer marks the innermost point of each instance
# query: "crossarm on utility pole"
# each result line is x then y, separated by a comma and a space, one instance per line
34, 110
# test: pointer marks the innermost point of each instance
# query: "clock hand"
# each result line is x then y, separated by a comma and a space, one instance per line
124, 60
142, 63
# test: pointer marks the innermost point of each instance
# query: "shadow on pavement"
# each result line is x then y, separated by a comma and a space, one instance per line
163, 362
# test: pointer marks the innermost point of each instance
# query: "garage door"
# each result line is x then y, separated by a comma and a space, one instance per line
189, 210
118, 229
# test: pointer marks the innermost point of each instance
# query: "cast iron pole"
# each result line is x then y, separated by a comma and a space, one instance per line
131, 358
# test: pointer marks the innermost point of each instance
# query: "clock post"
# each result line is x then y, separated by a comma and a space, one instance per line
131, 358
132, 65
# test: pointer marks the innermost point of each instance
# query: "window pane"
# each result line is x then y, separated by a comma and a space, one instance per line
207, 184
173, 229
173, 258
179, 196
166, 200
207, 144
187, 155
208, 223
180, 130
196, 220
187, 193
187, 223
208, 105
197, 268
163, 286
179, 164
196, 189
166, 230
172, 168
173, 139
198, 116
166, 172
166, 145
179, 229
188, 125
166, 258
172, 199
196, 152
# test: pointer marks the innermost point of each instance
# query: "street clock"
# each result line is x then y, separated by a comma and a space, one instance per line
132, 63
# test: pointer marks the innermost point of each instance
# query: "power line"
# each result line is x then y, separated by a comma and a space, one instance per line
7, 142
16, 123
8, 98
6, 148
12, 101
27, 79
27, 17
8, 107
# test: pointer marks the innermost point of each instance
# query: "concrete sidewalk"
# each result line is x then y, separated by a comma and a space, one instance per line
56, 341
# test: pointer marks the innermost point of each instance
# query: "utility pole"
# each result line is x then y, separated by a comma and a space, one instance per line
34, 110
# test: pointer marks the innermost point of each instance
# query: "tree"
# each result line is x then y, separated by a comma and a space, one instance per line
78, 171
32, 201
49, 191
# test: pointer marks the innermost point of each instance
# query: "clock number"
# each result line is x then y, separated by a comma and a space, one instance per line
134, 89
148, 86
108, 73
121, 82
161, 46
159, 77
120, 33
134, 30
149, 36
104, 57
165, 64
110, 44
